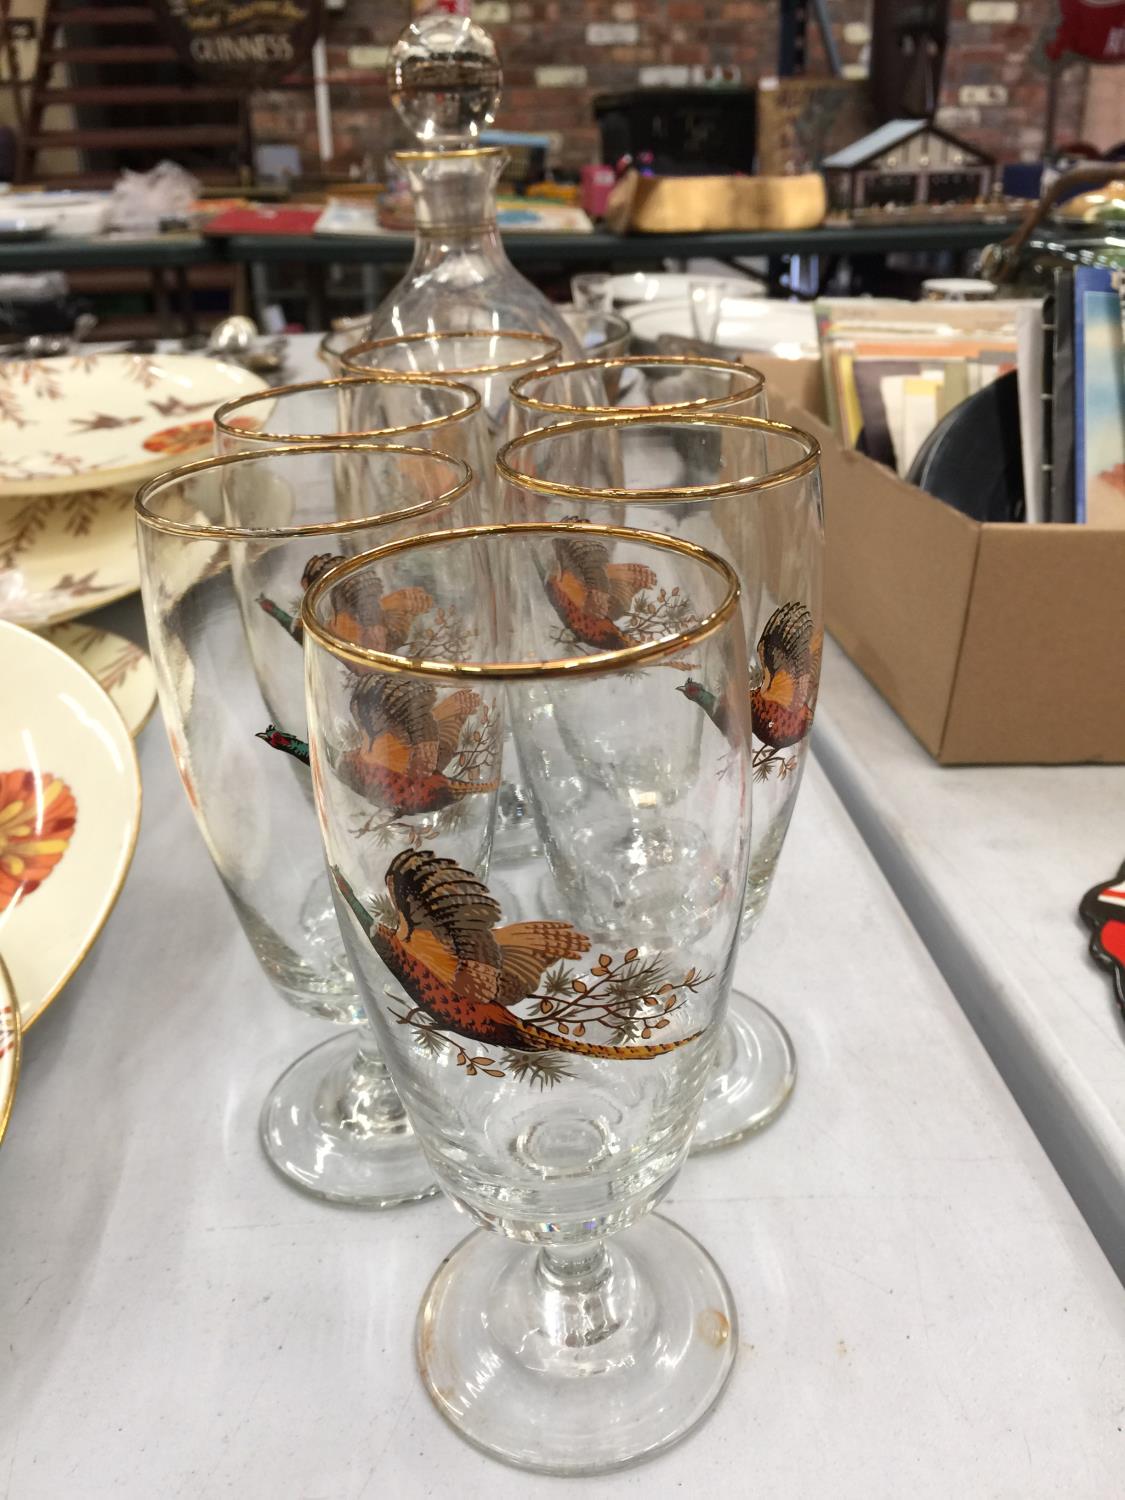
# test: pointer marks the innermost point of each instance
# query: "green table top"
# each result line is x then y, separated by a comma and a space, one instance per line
59, 254
56, 253
600, 246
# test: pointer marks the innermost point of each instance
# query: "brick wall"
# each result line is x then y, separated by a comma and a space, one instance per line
558, 54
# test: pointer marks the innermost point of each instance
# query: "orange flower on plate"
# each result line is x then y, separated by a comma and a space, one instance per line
37, 818
185, 438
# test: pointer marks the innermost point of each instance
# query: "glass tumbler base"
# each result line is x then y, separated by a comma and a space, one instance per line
577, 1376
754, 1076
333, 1129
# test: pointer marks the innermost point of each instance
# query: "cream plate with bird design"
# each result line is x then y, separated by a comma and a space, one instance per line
122, 667
9, 1047
87, 421
64, 555
70, 807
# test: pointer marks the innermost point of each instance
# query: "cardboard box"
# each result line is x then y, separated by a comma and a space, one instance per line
996, 644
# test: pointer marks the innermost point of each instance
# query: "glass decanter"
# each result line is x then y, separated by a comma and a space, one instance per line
444, 80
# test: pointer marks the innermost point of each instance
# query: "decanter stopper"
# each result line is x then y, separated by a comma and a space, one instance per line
443, 76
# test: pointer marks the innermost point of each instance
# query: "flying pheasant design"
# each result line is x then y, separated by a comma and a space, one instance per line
590, 594
463, 971
412, 739
789, 650
367, 616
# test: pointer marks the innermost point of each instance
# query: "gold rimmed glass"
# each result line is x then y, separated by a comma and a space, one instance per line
227, 547
655, 383
347, 333
421, 410
550, 1032
598, 332
750, 490
488, 360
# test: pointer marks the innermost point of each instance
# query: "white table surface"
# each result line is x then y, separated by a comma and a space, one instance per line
990, 863
924, 1311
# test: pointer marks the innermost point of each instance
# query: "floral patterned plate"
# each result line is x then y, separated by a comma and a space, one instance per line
122, 667
64, 555
9, 1048
93, 420
70, 807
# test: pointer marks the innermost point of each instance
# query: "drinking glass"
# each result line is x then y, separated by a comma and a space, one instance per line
551, 1037
226, 547
377, 408
347, 333
750, 490
706, 301
598, 332
639, 382
591, 289
488, 361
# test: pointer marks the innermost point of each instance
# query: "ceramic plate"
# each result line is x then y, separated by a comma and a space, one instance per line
9, 1048
70, 806
122, 667
675, 286
64, 555
89, 420
787, 329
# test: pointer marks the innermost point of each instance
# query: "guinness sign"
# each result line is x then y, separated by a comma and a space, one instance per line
252, 42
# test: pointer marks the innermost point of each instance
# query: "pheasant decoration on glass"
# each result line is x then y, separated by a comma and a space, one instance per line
782, 707
607, 605
382, 622
590, 594
413, 761
438, 935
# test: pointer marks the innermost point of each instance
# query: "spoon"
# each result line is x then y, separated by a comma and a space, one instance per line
233, 337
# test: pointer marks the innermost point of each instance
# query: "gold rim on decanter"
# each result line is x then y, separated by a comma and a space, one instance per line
550, 349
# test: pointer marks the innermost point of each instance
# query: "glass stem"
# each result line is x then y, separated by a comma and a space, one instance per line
578, 1295
369, 1095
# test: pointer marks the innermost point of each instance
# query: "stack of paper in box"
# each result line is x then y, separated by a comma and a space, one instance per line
894, 369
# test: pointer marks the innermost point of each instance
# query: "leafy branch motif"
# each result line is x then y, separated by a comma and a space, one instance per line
767, 760
38, 374
143, 371
24, 526
79, 512
625, 1001
479, 749
10, 408
651, 619
446, 638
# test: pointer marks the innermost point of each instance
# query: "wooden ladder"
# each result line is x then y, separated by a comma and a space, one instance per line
133, 102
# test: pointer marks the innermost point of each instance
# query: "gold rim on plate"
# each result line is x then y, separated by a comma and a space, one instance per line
9, 1003
374, 377
313, 528
676, 495
550, 346
27, 1022
631, 361
507, 671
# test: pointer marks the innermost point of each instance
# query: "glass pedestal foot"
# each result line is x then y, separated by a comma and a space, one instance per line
755, 1071
580, 1358
333, 1125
